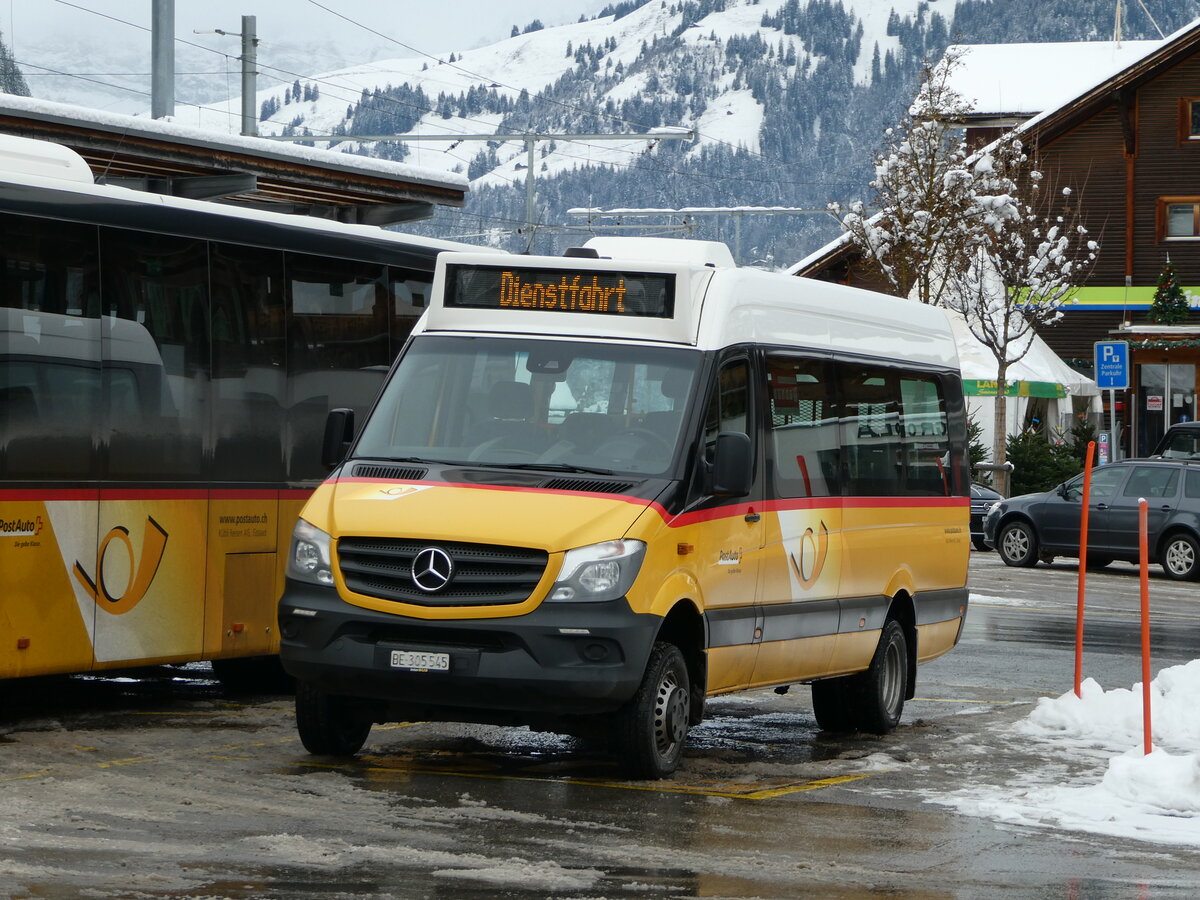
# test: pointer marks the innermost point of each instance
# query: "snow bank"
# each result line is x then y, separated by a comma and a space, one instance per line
1151, 797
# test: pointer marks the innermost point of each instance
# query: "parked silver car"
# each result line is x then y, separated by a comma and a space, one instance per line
1042, 526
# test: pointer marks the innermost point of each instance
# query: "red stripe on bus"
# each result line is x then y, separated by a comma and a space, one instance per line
93, 494
36, 494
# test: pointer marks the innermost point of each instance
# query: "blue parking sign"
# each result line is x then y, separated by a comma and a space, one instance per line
1112, 365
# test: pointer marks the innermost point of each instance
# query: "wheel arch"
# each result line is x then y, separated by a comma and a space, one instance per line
903, 610
686, 628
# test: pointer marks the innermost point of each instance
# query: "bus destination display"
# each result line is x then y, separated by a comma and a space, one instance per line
558, 290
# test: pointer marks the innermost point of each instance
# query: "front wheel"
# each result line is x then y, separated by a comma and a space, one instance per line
1181, 557
326, 724
652, 727
1018, 545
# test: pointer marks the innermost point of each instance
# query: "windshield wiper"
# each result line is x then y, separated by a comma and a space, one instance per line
414, 459
552, 467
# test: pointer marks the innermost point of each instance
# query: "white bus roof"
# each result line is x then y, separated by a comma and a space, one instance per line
49, 166
714, 307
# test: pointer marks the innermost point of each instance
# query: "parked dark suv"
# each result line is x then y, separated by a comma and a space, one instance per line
1182, 441
1042, 526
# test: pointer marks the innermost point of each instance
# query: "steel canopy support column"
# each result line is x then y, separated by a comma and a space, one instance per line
162, 59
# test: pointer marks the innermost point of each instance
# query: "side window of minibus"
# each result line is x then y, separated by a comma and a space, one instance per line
728, 404
803, 428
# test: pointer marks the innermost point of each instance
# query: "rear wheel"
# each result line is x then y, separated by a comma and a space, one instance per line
327, 726
881, 689
652, 727
1018, 545
870, 701
1181, 557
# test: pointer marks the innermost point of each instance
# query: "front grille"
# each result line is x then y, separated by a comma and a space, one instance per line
484, 574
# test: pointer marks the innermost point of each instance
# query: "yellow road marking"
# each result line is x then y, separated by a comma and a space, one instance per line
730, 790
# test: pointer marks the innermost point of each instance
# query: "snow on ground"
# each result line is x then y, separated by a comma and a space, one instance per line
1123, 792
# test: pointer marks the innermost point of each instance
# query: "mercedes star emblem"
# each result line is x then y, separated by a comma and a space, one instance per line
432, 569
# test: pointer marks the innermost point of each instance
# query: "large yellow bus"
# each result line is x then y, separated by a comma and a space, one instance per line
166, 367
597, 489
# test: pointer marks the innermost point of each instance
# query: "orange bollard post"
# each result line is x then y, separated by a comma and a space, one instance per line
1144, 558
1083, 535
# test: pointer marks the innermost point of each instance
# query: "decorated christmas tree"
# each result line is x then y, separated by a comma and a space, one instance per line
1170, 303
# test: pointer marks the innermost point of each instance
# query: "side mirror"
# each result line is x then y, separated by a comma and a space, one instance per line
1064, 491
339, 432
733, 465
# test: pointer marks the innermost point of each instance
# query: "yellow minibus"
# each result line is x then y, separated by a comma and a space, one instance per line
597, 489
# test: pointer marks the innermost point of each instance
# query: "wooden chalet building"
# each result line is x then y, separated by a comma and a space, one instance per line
1120, 125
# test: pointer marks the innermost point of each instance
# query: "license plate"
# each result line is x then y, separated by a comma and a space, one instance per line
419, 659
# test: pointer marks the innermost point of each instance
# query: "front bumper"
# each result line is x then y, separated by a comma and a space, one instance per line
560, 659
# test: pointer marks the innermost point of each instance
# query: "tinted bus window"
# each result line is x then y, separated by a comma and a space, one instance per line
728, 405
410, 295
49, 348
803, 428
156, 354
871, 432
338, 348
927, 441
249, 363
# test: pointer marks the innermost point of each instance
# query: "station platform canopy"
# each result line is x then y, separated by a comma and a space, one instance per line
163, 157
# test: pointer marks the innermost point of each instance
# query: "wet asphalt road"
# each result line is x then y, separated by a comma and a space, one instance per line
163, 786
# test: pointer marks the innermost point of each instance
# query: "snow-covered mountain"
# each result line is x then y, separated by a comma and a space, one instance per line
788, 100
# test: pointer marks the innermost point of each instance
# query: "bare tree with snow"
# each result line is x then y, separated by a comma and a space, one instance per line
923, 193
1027, 254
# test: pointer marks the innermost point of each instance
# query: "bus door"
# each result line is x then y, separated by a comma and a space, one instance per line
728, 539
801, 569
49, 390
150, 566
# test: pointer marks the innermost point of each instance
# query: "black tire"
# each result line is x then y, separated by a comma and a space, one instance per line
1181, 557
1017, 544
978, 543
879, 692
327, 726
833, 704
652, 727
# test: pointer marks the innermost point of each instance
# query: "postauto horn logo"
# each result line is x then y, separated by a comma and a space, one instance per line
141, 572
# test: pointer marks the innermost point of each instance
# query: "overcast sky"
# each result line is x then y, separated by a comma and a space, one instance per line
430, 26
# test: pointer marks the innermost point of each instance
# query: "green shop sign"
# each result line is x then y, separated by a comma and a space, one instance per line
991, 388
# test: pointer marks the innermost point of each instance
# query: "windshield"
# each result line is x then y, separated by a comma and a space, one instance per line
539, 403
1182, 443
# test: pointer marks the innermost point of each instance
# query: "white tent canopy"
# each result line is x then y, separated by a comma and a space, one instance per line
1041, 366
1039, 376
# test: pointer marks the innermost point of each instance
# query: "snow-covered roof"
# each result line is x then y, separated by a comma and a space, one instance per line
141, 126
1026, 79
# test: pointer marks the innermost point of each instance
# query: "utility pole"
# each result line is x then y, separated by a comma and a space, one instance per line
249, 60
162, 59
530, 139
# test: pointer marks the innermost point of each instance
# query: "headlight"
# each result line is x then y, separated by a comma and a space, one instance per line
309, 559
598, 572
